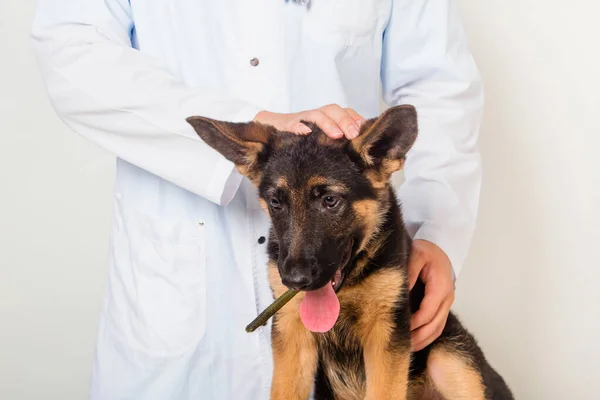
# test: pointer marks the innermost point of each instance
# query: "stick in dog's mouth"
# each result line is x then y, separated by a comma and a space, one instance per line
264, 316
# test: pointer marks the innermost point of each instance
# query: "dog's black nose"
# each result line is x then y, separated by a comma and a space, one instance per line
297, 279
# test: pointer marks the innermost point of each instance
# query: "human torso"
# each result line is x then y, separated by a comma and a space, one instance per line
193, 274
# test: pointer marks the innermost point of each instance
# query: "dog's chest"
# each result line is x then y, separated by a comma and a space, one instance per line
341, 359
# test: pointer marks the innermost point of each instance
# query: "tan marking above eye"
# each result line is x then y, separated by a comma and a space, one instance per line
331, 184
317, 180
282, 182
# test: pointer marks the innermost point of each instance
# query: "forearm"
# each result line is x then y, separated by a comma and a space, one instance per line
125, 101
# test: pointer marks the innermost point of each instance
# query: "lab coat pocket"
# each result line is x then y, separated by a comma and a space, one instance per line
170, 274
344, 22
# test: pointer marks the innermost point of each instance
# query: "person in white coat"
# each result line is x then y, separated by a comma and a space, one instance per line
187, 256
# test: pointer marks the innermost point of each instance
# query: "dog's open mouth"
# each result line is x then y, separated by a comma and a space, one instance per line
336, 282
320, 308
338, 278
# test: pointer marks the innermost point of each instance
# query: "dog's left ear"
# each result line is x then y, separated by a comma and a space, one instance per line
244, 144
384, 141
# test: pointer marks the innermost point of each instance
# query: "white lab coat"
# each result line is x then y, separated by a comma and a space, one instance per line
187, 271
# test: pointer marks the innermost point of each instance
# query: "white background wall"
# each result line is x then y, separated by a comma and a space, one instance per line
530, 290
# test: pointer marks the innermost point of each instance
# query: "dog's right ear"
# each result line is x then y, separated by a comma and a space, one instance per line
384, 141
245, 144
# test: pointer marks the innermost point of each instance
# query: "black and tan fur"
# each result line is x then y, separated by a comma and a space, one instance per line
331, 201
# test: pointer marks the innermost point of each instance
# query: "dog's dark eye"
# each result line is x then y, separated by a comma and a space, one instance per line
275, 204
330, 201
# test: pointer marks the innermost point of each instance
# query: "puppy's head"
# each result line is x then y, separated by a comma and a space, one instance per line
325, 197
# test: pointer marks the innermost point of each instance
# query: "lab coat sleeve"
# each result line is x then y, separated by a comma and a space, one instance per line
426, 62
126, 101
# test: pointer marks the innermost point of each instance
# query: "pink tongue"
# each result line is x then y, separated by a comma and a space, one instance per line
320, 309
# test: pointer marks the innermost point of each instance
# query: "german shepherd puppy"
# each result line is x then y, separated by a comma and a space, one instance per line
338, 237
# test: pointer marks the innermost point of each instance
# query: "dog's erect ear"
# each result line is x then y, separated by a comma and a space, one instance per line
384, 141
245, 144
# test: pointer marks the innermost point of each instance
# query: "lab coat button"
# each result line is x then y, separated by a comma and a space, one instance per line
254, 62
261, 240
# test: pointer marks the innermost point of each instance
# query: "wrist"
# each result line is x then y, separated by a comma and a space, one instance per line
437, 253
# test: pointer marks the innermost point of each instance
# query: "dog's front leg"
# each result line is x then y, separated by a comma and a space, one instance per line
386, 367
385, 341
294, 359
